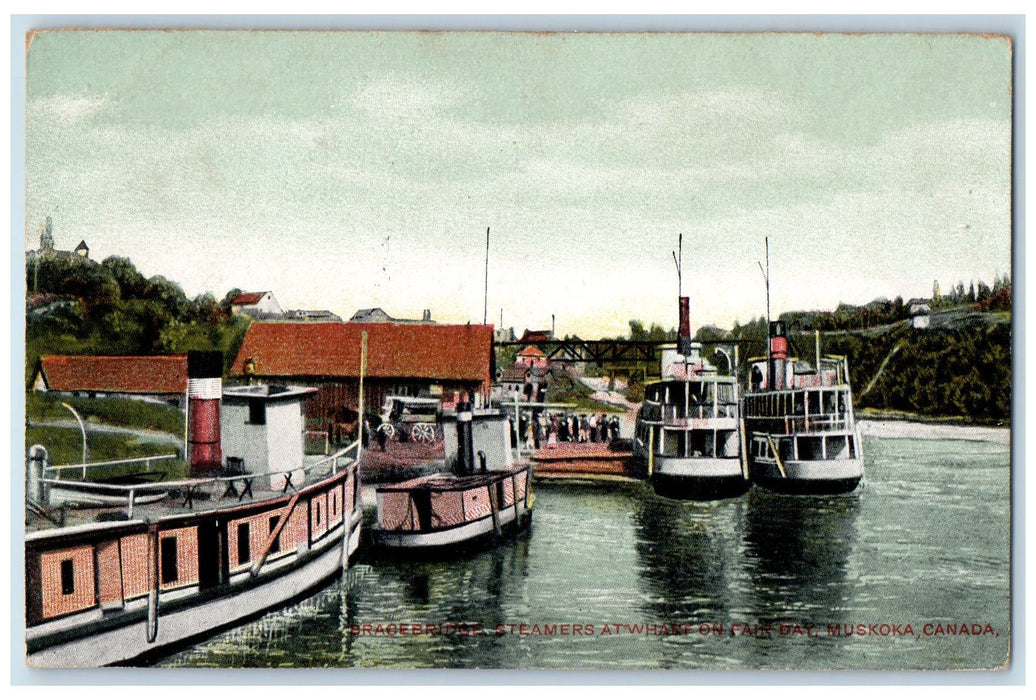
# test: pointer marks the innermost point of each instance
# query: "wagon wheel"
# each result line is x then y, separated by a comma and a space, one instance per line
388, 430
424, 432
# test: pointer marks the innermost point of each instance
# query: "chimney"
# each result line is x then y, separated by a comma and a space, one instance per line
683, 338
204, 392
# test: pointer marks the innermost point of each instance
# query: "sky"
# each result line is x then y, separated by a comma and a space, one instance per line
345, 170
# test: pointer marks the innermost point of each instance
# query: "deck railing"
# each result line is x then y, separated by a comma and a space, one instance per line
820, 423
146, 461
675, 415
329, 465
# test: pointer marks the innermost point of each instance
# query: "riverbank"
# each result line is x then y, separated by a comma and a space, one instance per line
912, 430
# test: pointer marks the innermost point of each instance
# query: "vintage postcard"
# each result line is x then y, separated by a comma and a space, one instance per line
504, 350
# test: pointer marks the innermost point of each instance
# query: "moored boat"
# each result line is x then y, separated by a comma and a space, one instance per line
688, 440
803, 435
482, 497
689, 436
130, 582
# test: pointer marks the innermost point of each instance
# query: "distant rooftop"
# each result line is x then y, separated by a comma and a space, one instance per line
378, 315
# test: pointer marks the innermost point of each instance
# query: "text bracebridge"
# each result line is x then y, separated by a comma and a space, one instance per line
714, 630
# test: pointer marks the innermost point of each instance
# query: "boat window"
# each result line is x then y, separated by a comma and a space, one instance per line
169, 572
68, 581
257, 412
726, 393
244, 552
829, 402
275, 546
318, 513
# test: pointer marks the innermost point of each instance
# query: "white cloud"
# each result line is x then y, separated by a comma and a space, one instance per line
65, 109
394, 96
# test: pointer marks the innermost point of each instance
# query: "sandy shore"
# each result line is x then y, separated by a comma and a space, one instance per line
933, 431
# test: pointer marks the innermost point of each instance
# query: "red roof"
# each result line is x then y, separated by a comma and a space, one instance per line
403, 351
535, 336
154, 374
247, 298
532, 351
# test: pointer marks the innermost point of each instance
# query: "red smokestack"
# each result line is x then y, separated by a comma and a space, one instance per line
683, 338
204, 391
778, 341
778, 354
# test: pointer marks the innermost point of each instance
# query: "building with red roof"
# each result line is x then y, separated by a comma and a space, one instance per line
256, 305
532, 356
402, 359
154, 377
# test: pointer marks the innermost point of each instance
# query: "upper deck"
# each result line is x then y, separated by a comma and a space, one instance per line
74, 501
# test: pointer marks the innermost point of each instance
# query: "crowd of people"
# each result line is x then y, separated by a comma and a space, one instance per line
546, 429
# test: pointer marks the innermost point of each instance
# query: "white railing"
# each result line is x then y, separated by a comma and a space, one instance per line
131, 491
111, 463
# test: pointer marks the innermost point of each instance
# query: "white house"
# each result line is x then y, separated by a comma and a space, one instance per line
920, 315
256, 304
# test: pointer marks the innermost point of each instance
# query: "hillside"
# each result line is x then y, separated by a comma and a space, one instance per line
959, 367
76, 306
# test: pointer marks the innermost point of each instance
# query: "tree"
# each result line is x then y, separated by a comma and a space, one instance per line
132, 284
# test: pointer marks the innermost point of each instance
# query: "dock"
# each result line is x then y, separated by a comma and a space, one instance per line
582, 461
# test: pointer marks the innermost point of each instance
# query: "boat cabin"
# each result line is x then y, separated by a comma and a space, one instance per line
261, 428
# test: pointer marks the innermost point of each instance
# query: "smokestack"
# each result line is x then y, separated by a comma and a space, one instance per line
683, 338
204, 392
778, 354
465, 447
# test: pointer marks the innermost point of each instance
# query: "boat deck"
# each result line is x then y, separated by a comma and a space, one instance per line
196, 495
452, 482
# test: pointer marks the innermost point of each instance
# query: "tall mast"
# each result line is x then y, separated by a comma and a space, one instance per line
485, 305
766, 277
679, 269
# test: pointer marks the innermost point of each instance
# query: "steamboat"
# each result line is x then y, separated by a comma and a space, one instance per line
482, 497
689, 437
803, 435
152, 566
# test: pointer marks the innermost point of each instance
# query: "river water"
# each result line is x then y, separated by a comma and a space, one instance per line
614, 577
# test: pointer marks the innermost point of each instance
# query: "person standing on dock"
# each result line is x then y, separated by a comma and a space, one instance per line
562, 422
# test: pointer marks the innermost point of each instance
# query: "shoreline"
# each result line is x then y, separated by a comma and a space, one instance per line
898, 428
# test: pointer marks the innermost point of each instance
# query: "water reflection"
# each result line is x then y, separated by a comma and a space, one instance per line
685, 552
796, 553
462, 600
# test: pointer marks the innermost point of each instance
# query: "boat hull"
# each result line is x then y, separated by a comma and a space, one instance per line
696, 478
709, 488
818, 477
195, 617
460, 539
